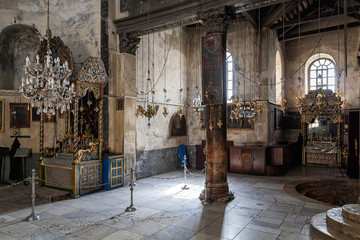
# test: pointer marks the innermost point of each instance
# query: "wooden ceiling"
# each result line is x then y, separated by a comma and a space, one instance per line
292, 19
303, 18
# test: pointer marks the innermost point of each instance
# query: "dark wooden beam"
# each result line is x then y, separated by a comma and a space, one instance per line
184, 13
279, 11
285, 31
313, 18
251, 16
317, 32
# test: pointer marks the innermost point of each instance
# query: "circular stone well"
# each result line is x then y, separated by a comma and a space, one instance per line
329, 191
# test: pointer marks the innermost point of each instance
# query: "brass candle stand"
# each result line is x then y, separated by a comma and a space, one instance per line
206, 200
33, 216
184, 164
131, 208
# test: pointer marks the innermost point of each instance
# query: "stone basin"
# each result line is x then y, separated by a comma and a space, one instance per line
332, 192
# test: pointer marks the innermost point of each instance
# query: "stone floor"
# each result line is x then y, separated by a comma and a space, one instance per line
261, 210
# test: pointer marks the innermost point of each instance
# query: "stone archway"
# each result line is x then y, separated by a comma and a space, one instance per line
16, 43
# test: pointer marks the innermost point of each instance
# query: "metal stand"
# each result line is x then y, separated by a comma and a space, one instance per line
33, 216
206, 200
184, 164
131, 208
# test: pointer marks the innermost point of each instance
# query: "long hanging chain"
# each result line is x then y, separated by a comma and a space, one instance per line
164, 67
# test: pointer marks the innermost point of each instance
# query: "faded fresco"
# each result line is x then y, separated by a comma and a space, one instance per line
212, 70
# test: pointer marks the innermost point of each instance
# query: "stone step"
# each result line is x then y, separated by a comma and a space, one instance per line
352, 212
336, 223
319, 229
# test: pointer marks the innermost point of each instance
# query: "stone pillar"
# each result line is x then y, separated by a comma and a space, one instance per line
216, 23
122, 101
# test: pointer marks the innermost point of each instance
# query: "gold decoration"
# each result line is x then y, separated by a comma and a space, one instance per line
149, 113
180, 112
249, 110
93, 70
165, 112
196, 109
220, 122
321, 104
283, 105
211, 126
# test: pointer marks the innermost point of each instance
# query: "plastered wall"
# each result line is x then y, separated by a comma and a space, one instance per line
169, 74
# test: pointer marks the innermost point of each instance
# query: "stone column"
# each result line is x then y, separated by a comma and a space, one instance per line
122, 88
216, 23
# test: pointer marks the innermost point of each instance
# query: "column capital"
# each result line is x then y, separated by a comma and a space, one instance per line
217, 20
128, 43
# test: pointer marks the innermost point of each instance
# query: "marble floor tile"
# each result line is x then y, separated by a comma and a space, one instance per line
294, 227
174, 233
210, 214
203, 236
4, 236
122, 221
249, 234
271, 185
165, 217
143, 212
6, 218
306, 229
245, 211
62, 210
222, 230
95, 232
285, 208
272, 221
194, 223
252, 203
124, 235
234, 219
159, 205
263, 228
147, 228
291, 236
273, 214
309, 212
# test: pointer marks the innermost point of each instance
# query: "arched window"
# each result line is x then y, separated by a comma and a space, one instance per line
229, 76
322, 74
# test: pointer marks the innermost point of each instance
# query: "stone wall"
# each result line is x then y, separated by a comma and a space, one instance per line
169, 75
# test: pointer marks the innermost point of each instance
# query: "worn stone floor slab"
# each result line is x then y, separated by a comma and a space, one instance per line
261, 210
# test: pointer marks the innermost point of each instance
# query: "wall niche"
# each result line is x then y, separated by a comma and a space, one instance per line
16, 43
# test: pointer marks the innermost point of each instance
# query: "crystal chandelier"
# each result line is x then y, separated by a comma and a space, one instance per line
47, 84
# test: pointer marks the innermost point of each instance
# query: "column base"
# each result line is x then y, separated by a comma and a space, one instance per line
218, 193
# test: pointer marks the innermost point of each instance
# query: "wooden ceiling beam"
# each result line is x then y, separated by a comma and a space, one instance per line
251, 16
182, 13
312, 18
278, 13
317, 31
